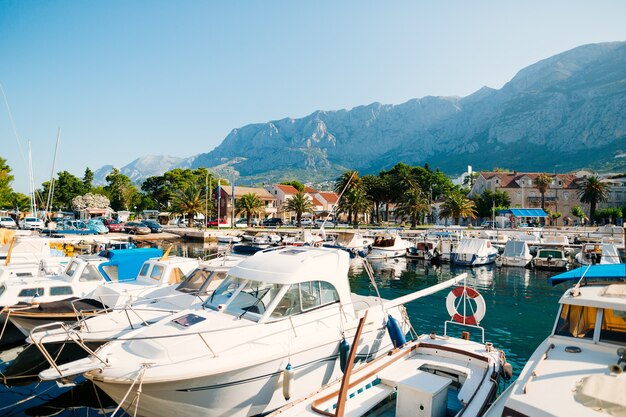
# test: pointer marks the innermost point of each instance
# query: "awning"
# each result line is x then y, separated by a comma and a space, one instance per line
594, 272
525, 212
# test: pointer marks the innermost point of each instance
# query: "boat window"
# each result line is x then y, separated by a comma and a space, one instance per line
555, 254
289, 304
216, 279
61, 291
176, 276
194, 281
224, 292
310, 295
90, 273
254, 297
157, 271
329, 293
31, 292
2, 289
576, 321
111, 271
144, 269
71, 269
613, 326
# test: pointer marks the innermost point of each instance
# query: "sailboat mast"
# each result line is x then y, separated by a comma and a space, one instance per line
54, 163
31, 178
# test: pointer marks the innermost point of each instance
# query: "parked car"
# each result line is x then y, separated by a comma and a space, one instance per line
305, 221
273, 222
153, 226
244, 223
216, 223
113, 225
8, 222
319, 222
31, 223
136, 228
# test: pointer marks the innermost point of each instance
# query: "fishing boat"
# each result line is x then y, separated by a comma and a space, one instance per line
155, 273
421, 250
282, 312
598, 253
83, 274
551, 259
388, 245
578, 370
516, 253
474, 252
62, 340
430, 376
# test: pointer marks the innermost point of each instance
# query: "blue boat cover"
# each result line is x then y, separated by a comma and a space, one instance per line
525, 212
605, 272
127, 261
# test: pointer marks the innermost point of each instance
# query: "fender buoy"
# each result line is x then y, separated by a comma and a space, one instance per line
344, 351
287, 381
479, 313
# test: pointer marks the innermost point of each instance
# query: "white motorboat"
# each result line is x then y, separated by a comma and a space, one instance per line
30, 256
552, 259
431, 376
598, 253
421, 250
281, 311
353, 242
388, 246
474, 252
155, 273
228, 239
578, 369
516, 253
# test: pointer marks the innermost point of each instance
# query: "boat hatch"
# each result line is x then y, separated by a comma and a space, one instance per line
188, 320
292, 252
618, 291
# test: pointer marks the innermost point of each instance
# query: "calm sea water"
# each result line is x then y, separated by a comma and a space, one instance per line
521, 308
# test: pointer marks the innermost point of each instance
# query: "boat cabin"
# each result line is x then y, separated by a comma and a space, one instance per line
293, 288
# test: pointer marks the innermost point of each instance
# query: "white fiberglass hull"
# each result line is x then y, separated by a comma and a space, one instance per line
253, 388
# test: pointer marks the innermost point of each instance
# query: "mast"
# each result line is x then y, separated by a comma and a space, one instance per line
51, 187
31, 178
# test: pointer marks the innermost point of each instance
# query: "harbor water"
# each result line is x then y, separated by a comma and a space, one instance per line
521, 307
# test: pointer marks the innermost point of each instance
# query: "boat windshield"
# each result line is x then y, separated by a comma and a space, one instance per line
576, 321
201, 281
613, 328
244, 298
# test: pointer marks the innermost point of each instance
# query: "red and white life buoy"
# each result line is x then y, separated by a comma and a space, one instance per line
479, 313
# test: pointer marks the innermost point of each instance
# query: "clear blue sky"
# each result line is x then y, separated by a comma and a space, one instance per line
123, 79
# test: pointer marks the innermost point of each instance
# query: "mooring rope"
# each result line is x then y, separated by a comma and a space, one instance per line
138, 378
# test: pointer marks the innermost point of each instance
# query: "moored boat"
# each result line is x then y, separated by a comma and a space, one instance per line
474, 252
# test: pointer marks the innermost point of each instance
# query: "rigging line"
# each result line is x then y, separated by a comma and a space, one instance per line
17, 138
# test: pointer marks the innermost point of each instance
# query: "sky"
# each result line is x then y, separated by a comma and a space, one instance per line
124, 79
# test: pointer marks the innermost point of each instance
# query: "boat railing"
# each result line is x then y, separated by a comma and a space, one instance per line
71, 334
535, 373
480, 328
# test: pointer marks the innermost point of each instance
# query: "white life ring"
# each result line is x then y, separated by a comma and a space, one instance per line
479, 313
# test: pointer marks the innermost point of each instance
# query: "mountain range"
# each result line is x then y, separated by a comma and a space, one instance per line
564, 113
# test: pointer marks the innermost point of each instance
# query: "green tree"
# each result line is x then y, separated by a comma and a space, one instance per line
376, 190
121, 191
249, 204
414, 205
87, 181
347, 181
66, 187
295, 184
189, 201
593, 191
355, 201
6, 192
486, 202
299, 204
577, 211
542, 182
456, 206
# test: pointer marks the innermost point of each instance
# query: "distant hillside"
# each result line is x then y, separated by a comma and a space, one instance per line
564, 113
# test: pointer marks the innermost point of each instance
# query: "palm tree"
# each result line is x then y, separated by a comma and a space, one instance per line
542, 182
189, 201
376, 191
249, 204
414, 205
457, 206
577, 211
355, 201
347, 181
592, 191
299, 203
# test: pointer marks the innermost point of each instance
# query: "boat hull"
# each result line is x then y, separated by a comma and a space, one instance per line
247, 391
473, 260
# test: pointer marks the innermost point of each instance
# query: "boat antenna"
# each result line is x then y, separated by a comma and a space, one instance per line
51, 186
575, 292
330, 213
17, 138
